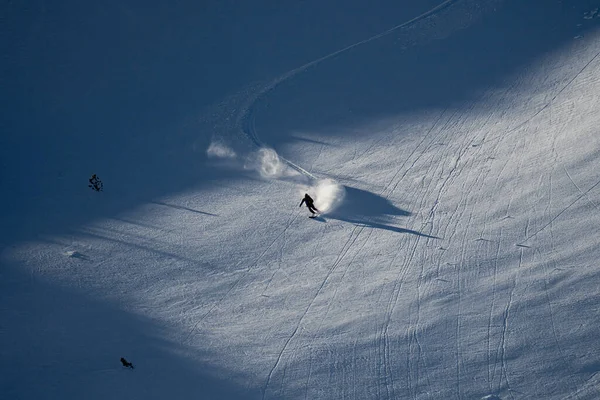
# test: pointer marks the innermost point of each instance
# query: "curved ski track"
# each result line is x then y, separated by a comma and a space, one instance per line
247, 123
416, 360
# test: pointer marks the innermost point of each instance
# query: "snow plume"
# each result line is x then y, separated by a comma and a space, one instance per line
327, 193
268, 164
220, 150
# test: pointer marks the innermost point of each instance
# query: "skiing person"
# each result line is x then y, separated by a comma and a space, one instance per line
95, 183
310, 203
126, 363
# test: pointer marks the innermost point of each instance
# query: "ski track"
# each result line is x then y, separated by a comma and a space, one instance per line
492, 372
245, 273
411, 334
549, 223
412, 328
501, 348
386, 385
248, 124
247, 109
384, 343
245, 118
590, 200
545, 106
450, 176
333, 295
392, 382
350, 241
549, 266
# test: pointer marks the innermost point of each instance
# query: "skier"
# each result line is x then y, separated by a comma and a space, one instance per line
126, 363
310, 203
95, 183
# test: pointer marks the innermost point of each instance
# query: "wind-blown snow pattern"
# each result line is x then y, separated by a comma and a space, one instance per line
451, 147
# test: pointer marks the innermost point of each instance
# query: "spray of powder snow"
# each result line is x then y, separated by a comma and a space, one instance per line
220, 150
327, 193
269, 165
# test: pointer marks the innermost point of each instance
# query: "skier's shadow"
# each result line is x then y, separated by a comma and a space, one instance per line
361, 207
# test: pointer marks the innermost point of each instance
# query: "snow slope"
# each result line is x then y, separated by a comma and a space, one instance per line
455, 157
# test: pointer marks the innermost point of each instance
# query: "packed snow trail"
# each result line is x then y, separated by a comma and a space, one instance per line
248, 125
246, 119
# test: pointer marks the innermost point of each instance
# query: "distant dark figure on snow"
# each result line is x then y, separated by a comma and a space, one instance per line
95, 183
310, 203
126, 363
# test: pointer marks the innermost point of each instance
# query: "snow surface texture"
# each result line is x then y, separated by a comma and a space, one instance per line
454, 156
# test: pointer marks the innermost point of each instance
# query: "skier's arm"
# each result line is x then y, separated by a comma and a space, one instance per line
302, 202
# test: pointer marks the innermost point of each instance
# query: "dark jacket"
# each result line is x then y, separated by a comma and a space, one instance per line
308, 200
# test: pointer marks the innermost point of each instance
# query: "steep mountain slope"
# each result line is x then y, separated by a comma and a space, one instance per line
453, 158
